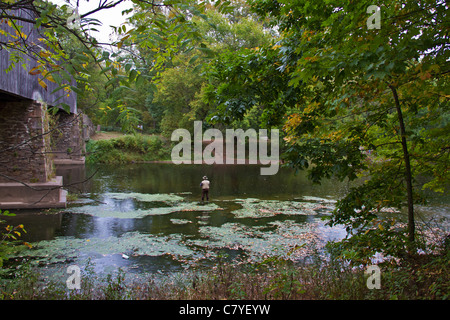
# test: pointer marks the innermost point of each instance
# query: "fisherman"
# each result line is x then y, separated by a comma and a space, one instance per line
205, 188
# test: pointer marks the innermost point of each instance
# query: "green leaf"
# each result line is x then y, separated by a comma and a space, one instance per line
193, 59
65, 106
133, 74
6, 213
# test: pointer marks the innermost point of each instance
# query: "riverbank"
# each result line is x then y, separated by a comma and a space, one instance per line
420, 277
111, 148
118, 148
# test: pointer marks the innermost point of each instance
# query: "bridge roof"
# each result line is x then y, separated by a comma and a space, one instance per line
20, 83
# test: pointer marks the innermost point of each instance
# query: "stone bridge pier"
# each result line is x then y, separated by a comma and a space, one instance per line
27, 173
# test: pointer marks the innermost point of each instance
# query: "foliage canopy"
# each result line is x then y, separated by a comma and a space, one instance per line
353, 102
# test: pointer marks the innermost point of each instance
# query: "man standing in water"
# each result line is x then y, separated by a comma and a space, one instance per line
205, 188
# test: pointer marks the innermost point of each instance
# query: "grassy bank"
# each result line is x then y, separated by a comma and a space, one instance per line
421, 277
127, 149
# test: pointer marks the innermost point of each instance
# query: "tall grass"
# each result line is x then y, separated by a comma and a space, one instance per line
423, 277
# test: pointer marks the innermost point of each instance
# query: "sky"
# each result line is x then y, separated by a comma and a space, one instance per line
107, 17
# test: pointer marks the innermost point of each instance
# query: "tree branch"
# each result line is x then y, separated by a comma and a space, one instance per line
101, 6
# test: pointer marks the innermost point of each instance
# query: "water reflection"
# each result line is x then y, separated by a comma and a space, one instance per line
38, 225
227, 181
85, 226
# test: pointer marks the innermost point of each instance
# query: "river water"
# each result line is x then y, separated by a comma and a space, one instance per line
148, 218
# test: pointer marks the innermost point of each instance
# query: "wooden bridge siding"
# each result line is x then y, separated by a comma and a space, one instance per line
19, 82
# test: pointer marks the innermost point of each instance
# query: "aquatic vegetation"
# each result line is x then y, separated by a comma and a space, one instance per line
145, 197
122, 205
211, 229
317, 199
256, 208
180, 221
287, 239
76, 250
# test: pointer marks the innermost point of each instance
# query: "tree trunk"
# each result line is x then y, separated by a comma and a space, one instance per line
408, 175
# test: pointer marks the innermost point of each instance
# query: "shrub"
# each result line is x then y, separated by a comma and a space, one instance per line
128, 148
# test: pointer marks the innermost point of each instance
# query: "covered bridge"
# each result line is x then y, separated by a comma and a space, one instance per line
32, 140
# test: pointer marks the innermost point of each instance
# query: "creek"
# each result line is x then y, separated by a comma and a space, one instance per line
148, 218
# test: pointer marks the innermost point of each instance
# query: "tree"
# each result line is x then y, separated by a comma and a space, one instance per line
177, 88
181, 86
165, 24
367, 102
